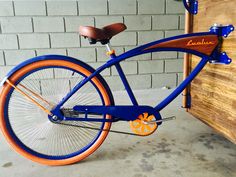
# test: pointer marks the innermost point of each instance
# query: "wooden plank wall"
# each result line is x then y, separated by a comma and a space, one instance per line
214, 90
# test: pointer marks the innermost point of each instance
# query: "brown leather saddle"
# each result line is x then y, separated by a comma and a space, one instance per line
102, 35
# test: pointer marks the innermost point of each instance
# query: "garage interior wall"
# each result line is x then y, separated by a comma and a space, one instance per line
34, 28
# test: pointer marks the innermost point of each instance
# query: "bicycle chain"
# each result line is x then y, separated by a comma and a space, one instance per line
93, 128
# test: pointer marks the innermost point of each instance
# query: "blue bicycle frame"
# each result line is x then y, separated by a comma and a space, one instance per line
204, 45
197, 44
191, 6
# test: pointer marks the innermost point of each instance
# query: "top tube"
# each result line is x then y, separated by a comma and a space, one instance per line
195, 43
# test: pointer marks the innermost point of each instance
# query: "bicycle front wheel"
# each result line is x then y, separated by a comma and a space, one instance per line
28, 129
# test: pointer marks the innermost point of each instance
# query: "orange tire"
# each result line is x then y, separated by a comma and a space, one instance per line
6, 93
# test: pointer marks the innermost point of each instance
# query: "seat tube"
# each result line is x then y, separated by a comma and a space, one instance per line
126, 84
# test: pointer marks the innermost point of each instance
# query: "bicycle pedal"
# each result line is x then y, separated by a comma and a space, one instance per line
159, 121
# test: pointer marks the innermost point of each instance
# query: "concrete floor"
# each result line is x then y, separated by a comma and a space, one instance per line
183, 147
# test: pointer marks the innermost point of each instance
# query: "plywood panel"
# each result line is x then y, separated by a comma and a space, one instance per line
214, 90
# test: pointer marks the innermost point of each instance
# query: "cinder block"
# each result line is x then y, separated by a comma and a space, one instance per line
47, 74
129, 67
146, 56
164, 55
180, 55
114, 83
139, 81
141, 57
121, 39
122, 7
124, 39
2, 61
40, 52
14, 57
101, 53
8, 41
149, 36
102, 21
62, 8
74, 82
16, 25
83, 92
64, 73
174, 7
73, 23
34, 85
138, 22
85, 43
51, 86
29, 8
61, 40
172, 66
151, 6
173, 33
33, 41
83, 54
4, 70
106, 72
135, 81
91, 7
164, 22
48, 24
180, 78
6, 8
151, 66
181, 22
164, 80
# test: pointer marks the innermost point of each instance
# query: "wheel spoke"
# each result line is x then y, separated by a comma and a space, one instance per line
31, 126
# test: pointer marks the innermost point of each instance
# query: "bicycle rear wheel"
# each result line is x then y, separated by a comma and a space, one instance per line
28, 129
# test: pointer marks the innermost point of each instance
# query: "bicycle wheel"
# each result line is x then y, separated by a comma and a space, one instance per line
28, 129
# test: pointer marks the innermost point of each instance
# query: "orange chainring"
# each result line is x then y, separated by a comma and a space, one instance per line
139, 126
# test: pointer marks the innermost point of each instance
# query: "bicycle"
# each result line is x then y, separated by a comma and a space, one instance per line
57, 110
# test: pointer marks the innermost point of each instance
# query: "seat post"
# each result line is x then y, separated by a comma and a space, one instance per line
108, 46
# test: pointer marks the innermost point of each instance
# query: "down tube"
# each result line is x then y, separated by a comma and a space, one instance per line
183, 85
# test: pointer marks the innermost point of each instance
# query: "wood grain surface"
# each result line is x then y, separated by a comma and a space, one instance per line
213, 92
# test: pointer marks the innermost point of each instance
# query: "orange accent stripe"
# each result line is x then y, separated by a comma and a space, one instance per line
29, 98
111, 52
211, 41
5, 90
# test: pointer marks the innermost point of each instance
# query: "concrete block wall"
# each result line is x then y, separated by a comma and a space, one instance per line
33, 28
